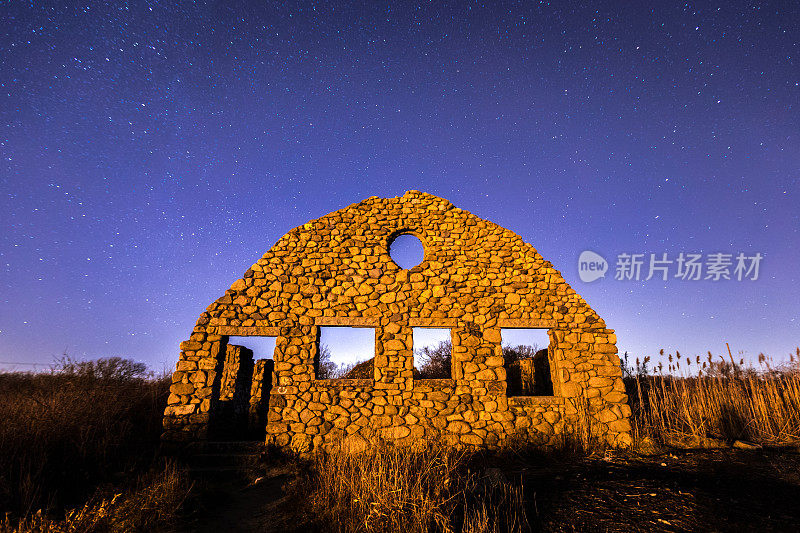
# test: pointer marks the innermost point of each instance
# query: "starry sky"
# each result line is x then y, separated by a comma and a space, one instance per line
150, 152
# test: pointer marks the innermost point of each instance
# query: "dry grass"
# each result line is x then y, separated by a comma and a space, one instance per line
151, 505
69, 436
761, 408
498, 508
66, 433
411, 489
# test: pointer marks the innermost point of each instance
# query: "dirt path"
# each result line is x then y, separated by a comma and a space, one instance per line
263, 507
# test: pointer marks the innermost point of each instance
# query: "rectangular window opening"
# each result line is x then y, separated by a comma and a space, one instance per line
433, 349
525, 357
262, 347
345, 353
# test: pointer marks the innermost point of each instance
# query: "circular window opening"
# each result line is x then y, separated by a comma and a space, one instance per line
406, 251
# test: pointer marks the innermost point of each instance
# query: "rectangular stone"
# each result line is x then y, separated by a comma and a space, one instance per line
534, 400
433, 322
526, 323
352, 321
245, 331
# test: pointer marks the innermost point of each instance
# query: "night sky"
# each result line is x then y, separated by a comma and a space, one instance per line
151, 152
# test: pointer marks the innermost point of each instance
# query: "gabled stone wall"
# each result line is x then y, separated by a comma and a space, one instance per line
475, 279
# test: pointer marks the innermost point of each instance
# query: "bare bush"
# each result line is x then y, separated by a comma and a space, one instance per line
66, 432
435, 361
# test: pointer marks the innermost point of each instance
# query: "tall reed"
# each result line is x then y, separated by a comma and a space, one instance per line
762, 408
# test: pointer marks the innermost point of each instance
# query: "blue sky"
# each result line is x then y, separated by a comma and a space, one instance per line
150, 152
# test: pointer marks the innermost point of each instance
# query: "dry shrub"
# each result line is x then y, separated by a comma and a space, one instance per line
65, 433
411, 489
762, 408
153, 504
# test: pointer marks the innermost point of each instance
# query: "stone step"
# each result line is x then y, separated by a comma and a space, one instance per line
228, 474
224, 459
226, 447
250, 472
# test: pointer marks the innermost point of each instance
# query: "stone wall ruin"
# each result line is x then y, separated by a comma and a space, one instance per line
475, 279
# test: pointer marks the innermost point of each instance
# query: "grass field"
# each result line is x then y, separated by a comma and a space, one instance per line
84, 438
79, 452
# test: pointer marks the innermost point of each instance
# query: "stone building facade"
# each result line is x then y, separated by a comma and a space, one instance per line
476, 278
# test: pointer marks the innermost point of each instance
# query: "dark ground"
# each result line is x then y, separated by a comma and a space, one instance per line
267, 506
708, 490
682, 490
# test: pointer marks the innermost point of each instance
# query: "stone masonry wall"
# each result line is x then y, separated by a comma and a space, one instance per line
259, 396
475, 279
